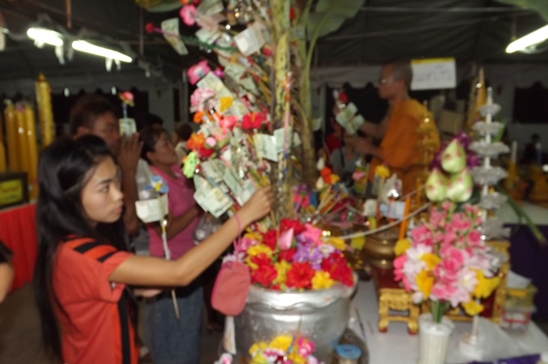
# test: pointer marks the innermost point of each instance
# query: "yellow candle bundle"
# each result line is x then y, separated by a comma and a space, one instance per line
11, 137
3, 166
22, 141
30, 131
45, 115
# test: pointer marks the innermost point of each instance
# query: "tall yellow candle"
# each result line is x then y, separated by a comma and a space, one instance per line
30, 130
22, 142
45, 114
1, 129
11, 137
3, 166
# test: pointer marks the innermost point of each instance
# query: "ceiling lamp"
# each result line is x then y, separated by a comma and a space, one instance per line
531, 39
83, 46
43, 36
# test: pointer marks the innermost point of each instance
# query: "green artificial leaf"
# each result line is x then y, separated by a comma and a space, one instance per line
498, 137
540, 6
521, 214
329, 15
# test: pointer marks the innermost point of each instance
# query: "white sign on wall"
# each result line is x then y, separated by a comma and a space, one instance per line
434, 73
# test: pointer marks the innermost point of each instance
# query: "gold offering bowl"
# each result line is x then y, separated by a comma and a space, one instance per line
379, 248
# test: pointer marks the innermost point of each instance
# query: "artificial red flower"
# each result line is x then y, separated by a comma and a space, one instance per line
253, 120
205, 152
300, 275
286, 224
343, 98
264, 275
261, 260
267, 51
326, 174
270, 239
337, 267
150, 28
195, 142
276, 287
287, 255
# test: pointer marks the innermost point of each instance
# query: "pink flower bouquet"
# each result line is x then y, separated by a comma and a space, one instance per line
447, 261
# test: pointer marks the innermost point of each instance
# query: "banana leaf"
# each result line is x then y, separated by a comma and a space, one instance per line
522, 215
329, 15
538, 5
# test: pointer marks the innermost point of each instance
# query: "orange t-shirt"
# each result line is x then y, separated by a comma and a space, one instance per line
98, 328
398, 148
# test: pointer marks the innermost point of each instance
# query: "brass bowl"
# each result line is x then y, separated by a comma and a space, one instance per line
379, 248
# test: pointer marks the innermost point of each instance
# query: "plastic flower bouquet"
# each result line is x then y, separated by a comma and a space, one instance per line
447, 261
295, 257
283, 349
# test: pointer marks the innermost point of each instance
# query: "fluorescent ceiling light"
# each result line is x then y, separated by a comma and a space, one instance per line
45, 36
536, 37
83, 46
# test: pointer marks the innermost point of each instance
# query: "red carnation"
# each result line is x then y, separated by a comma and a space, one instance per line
270, 239
343, 98
287, 255
264, 275
300, 275
150, 28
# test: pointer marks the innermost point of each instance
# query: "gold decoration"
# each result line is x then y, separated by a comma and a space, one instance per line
478, 97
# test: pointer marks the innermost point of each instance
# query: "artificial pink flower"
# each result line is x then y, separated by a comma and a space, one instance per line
228, 122
306, 347
199, 98
199, 70
219, 72
461, 222
474, 237
422, 235
311, 234
188, 14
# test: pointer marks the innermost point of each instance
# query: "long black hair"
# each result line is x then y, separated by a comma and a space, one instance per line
63, 170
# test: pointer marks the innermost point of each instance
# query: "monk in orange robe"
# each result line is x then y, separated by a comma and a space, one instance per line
398, 130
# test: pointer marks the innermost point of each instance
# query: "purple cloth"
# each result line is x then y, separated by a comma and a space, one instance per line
528, 258
528, 359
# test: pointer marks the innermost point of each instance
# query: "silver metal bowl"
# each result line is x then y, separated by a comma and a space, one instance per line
321, 316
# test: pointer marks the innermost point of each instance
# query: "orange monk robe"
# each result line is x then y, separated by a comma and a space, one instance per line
398, 149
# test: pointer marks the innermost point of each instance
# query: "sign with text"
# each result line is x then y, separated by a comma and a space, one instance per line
434, 73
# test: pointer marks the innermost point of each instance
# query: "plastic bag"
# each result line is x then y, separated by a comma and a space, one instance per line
207, 225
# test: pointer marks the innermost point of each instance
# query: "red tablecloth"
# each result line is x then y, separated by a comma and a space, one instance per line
18, 232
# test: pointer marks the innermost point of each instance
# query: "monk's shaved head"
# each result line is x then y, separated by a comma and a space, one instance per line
401, 70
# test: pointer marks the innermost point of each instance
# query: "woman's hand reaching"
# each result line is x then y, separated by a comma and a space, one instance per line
258, 206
